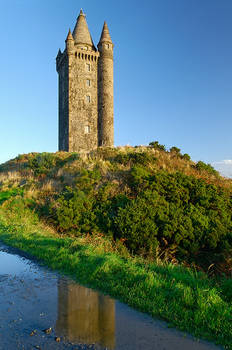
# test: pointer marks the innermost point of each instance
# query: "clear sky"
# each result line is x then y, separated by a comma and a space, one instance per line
173, 73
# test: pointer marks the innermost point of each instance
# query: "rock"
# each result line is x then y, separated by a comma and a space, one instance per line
57, 339
33, 332
48, 330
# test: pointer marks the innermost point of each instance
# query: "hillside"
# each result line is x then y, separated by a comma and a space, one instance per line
156, 203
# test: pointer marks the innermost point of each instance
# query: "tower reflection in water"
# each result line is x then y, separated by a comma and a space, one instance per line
84, 316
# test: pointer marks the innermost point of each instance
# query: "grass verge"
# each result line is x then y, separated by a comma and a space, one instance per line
187, 299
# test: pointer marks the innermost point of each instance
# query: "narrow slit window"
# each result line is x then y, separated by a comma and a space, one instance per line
88, 82
87, 129
88, 99
88, 68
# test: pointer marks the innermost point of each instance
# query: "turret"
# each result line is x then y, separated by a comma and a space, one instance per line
81, 34
105, 89
58, 58
69, 43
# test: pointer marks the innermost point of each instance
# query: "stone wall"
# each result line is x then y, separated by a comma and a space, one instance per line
62, 68
83, 102
105, 96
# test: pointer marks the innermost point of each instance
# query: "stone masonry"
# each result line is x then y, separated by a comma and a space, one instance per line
86, 106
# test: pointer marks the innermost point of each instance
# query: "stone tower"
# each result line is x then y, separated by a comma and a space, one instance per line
86, 112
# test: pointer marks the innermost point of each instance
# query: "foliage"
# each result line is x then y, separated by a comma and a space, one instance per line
4, 195
175, 150
132, 158
74, 212
163, 212
156, 145
186, 156
206, 167
153, 212
180, 211
187, 299
43, 163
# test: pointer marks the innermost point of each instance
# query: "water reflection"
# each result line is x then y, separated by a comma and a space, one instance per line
84, 316
12, 264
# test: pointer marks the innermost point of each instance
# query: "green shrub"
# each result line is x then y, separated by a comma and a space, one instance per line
151, 210
132, 158
42, 163
206, 167
156, 145
4, 195
175, 150
136, 224
186, 156
20, 157
190, 214
106, 210
72, 157
73, 212
138, 178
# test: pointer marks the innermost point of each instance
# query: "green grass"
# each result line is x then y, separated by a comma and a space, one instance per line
187, 299
8, 194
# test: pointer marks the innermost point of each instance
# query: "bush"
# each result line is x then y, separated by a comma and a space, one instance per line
180, 210
73, 212
136, 224
186, 156
201, 166
156, 145
142, 158
175, 150
42, 163
150, 211
5, 195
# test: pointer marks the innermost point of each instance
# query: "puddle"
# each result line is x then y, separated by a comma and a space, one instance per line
34, 299
12, 265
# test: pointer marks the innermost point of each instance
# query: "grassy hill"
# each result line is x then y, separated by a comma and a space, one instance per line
146, 225
157, 203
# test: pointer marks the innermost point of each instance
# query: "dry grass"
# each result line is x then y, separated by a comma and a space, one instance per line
16, 171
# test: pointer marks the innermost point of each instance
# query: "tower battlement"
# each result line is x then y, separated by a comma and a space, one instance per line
86, 116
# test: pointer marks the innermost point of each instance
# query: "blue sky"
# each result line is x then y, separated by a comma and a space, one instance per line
173, 75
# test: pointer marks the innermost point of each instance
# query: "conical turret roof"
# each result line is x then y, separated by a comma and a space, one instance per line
105, 35
69, 37
81, 32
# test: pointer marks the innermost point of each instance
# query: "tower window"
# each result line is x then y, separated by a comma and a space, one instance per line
88, 82
88, 68
107, 46
88, 98
87, 129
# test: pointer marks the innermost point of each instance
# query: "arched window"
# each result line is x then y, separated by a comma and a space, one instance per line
87, 129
